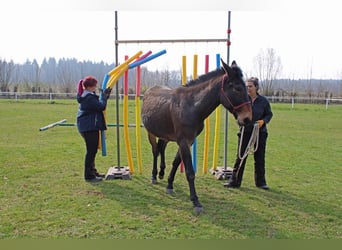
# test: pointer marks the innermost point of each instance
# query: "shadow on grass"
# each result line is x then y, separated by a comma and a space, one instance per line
222, 208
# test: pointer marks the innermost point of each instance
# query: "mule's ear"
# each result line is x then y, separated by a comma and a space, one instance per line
237, 69
225, 66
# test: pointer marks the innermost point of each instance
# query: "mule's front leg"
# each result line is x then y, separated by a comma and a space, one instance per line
190, 176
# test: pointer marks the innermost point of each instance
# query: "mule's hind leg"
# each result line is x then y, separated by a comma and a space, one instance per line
153, 141
161, 148
175, 164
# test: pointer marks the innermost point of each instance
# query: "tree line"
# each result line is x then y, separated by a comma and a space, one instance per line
62, 76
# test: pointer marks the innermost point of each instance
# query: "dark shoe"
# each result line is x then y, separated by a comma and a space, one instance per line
265, 187
231, 185
100, 175
95, 179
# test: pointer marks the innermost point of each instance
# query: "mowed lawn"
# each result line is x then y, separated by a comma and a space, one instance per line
43, 194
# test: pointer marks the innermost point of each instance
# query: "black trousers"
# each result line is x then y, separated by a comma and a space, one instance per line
259, 160
91, 139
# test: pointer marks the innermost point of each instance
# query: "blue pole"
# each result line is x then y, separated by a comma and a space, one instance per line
139, 62
194, 155
103, 134
218, 61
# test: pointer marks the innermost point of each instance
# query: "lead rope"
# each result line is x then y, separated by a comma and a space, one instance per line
252, 145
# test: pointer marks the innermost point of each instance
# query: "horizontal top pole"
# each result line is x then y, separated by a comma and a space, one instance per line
174, 41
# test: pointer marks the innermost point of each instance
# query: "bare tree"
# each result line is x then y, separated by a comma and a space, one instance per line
268, 66
6, 70
66, 75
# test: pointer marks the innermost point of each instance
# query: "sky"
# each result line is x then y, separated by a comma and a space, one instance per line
304, 34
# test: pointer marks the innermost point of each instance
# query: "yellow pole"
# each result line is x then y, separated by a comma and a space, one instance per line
183, 70
194, 70
217, 124
125, 124
100, 141
138, 118
183, 83
126, 135
138, 132
206, 145
216, 136
118, 71
128, 61
114, 78
206, 128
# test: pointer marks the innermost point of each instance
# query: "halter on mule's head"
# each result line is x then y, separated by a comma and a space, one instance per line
233, 94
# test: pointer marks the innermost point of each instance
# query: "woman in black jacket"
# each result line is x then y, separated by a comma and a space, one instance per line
262, 114
90, 120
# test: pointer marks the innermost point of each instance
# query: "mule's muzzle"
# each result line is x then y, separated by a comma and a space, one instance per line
244, 116
244, 122
247, 121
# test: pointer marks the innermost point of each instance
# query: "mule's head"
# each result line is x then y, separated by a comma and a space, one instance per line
233, 94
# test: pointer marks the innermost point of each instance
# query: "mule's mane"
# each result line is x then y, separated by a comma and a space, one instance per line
212, 74
205, 77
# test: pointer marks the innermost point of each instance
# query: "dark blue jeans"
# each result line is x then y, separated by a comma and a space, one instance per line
91, 139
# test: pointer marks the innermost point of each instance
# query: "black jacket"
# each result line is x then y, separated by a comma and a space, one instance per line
90, 112
261, 110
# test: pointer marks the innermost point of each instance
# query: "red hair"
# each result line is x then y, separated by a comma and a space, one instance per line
89, 81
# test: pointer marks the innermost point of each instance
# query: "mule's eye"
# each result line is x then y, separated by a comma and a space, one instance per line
238, 89
230, 84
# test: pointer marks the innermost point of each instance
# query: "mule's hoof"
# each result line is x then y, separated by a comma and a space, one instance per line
154, 181
169, 191
161, 177
198, 210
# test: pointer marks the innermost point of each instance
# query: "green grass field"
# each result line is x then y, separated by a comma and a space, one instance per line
43, 194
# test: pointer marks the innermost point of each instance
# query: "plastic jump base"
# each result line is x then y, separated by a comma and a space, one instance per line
118, 173
222, 173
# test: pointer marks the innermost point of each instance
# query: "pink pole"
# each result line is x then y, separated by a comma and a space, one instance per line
206, 65
138, 81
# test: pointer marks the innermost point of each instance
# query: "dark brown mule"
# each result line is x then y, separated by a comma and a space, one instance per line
178, 115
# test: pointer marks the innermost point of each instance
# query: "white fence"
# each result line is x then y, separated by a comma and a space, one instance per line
36, 95
273, 99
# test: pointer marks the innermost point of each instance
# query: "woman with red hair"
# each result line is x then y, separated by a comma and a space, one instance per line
90, 120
